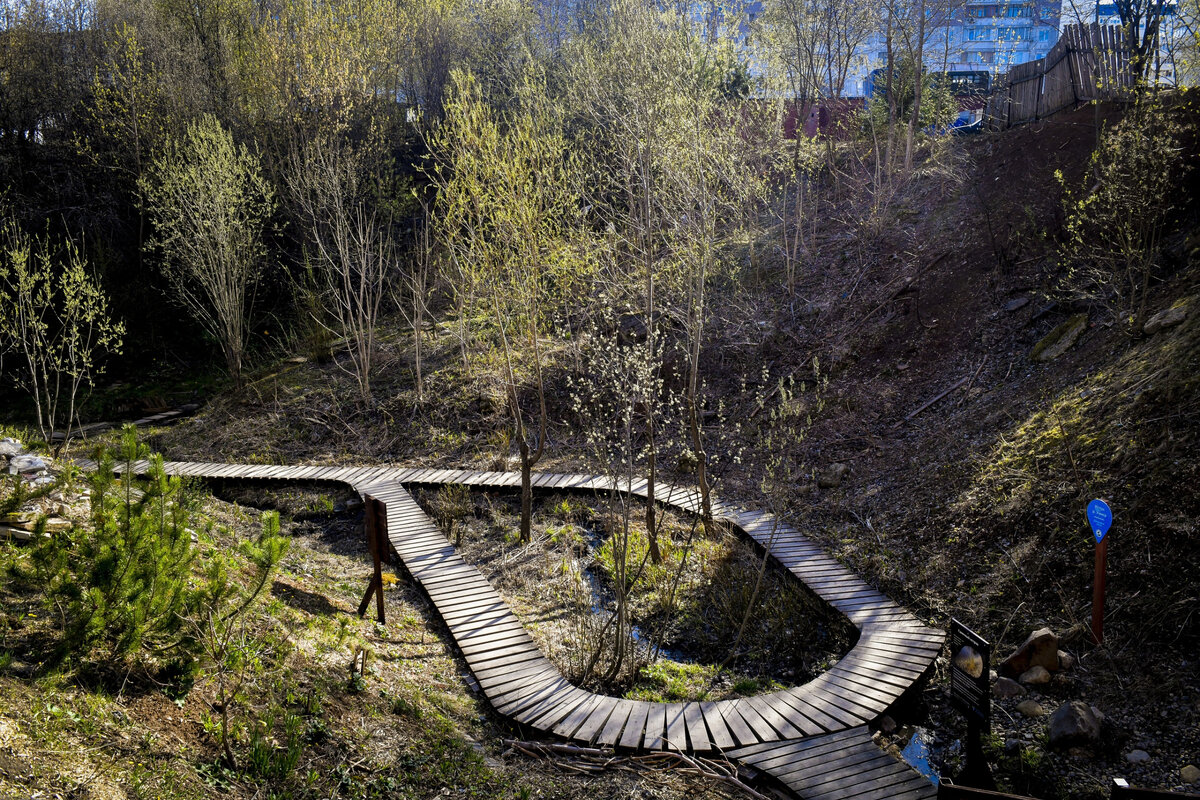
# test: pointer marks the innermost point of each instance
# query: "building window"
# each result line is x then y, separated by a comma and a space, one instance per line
1017, 11
980, 34
1043, 35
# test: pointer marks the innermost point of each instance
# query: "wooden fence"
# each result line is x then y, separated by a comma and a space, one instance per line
1089, 62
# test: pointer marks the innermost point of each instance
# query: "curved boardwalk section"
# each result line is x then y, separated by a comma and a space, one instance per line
812, 737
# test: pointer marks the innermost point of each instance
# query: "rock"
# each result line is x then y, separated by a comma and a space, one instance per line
1007, 688
1074, 724
1012, 747
1059, 340
1031, 708
1167, 318
1190, 774
887, 724
26, 463
1017, 304
10, 447
832, 477
1066, 661
631, 329
57, 524
7, 532
1035, 676
1039, 650
1137, 756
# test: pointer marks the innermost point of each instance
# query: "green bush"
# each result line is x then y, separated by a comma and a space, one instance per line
120, 584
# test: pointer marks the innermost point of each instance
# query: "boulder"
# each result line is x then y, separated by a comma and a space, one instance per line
1039, 650
1007, 688
1137, 756
11, 447
1190, 774
1031, 708
26, 463
832, 477
1167, 318
1073, 725
1060, 340
1035, 676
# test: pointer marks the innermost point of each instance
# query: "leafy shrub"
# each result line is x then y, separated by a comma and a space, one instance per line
1116, 220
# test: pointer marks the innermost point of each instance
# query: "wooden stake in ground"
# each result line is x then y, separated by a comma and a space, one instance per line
378, 548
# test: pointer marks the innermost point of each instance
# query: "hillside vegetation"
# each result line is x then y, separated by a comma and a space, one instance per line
500, 243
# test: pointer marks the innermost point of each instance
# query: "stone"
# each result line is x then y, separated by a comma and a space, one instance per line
1137, 756
1039, 650
26, 463
832, 477
8, 532
1012, 747
1167, 318
1066, 661
10, 447
887, 724
57, 524
1016, 304
1074, 724
1035, 676
1031, 708
1190, 774
1007, 688
1059, 340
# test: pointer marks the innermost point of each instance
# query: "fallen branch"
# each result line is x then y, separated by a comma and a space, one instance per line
967, 391
591, 760
928, 403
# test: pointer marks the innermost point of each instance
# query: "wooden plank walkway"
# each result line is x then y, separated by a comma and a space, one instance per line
812, 738
845, 765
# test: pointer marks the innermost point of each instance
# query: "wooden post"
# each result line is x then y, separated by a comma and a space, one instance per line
1098, 587
378, 549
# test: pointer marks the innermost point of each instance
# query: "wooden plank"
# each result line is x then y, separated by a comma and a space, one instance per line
718, 731
572, 722
611, 733
697, 732
737, 726
656, 727
599, 717
773, 718
676, 727
635, 726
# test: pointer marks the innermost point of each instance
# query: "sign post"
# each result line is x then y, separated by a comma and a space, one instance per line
970, 693
1099, 517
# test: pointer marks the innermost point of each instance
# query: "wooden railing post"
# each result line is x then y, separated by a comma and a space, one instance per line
377, 545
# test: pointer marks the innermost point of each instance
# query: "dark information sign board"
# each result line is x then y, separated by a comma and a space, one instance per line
970, 657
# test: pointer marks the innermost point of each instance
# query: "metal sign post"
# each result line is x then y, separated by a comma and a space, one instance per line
970, 693
1099, 517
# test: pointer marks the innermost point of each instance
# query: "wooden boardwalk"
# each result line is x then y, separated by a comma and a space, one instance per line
812, 738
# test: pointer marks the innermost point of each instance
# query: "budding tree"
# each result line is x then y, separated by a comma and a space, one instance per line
210, 205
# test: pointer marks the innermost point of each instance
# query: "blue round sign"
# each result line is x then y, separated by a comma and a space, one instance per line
1099, 518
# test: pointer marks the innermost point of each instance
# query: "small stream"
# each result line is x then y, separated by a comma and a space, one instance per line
921, 751
603, 600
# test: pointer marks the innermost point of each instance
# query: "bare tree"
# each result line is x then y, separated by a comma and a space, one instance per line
337, 188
